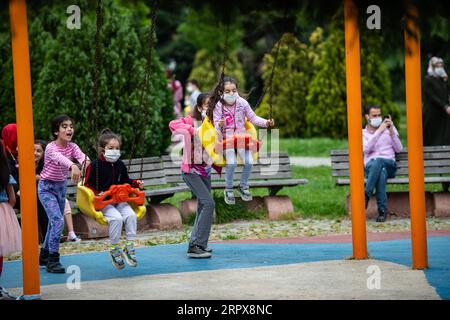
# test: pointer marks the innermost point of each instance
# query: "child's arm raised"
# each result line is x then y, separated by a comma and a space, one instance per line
253, 118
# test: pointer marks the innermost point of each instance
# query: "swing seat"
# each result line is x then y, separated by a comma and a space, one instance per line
209, 138
241, 141
90, 205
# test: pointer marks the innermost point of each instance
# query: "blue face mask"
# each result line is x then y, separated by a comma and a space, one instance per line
375, 122
230, 98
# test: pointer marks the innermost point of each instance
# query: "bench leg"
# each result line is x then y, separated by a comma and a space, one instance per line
398, 205
441, 204
274, 190
278, 206
87, 228
188, 208
163, 216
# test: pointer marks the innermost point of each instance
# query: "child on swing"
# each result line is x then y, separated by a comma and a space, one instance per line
112, 171
229, 119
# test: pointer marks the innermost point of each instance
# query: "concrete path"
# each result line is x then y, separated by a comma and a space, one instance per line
261, 270
310, 161
342, 280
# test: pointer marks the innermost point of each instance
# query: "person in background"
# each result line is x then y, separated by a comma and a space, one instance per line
193, 90
380, 143
177, 91
436, 108
10, 233
9, 140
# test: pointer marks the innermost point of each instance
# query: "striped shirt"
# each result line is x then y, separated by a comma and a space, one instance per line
58, 160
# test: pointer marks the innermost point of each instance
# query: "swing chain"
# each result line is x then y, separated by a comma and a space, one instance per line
217, 92
99, 24
275, 60
141, 107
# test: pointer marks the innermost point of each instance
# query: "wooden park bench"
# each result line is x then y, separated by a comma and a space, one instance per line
271, 172
436, 171
162, 179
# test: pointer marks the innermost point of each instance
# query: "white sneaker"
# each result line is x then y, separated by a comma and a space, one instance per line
229, 196
76, 239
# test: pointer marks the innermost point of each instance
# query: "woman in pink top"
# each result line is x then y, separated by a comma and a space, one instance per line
229, 118
52, 187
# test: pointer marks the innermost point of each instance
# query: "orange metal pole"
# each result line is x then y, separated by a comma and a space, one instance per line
352, 64
415, 144
24, 118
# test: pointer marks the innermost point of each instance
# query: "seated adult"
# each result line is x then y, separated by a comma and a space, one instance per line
380, 143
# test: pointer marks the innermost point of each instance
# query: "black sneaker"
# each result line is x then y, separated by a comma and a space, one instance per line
53, 264
198, 252
208, 249
43, 257
382, 215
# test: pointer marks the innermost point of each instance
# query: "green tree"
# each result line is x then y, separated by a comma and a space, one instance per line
291, 80
63, 72
207, 67
326, 111
207, 33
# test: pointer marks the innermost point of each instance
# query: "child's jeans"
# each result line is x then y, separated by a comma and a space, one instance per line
52, 195
230, 157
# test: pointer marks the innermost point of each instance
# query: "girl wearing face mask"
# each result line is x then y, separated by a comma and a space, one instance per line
105, 171
229, 116
197, 175
436, 108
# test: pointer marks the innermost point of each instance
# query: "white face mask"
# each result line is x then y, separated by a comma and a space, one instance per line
203, 114
440, 72
230, 98
112, 155
375, 122
189, 89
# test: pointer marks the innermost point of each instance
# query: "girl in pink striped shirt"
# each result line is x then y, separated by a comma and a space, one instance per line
52, 187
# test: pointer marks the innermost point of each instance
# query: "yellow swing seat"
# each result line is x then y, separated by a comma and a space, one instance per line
85, 202
209, 138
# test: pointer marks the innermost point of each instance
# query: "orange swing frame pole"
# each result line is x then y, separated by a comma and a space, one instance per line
25, 135
353, 77
415, 142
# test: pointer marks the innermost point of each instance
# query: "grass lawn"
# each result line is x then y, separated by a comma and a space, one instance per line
320, 198
320, 147
312, 147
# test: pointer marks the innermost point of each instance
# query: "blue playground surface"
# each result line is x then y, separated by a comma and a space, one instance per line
164, 259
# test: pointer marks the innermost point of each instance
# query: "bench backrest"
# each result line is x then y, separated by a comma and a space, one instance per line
152, 173
266, 168
436, 161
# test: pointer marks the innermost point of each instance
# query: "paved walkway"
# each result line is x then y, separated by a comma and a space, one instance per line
310, 161
260, 270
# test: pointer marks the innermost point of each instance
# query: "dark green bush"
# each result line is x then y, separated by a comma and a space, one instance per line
326, 112
291, 80
63, 72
